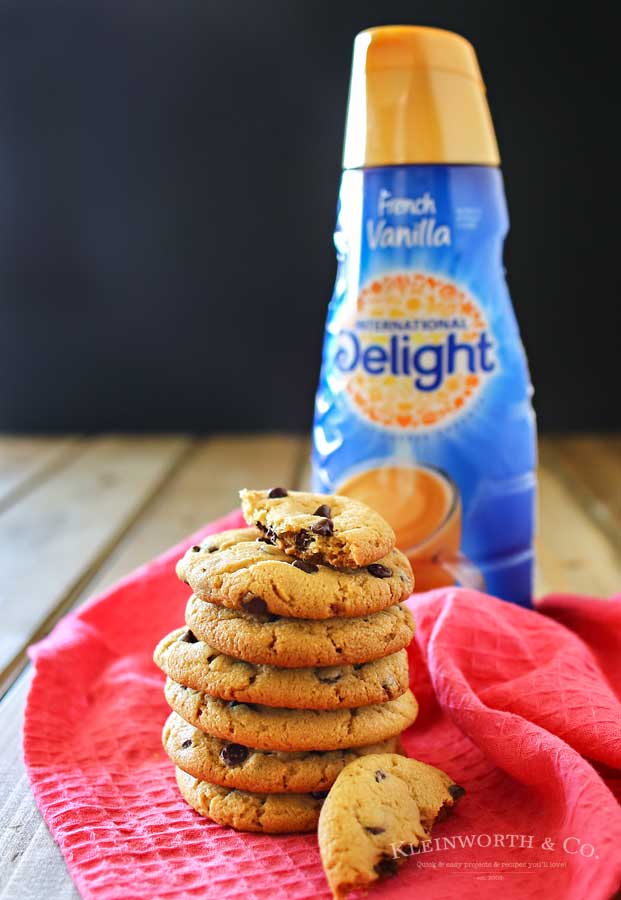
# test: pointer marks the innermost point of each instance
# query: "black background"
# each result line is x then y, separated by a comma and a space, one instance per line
168, 183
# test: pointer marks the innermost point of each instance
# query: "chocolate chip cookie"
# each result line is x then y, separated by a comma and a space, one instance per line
379, 810
238, 570
245, 768
320, 528
245, 811
199, 666
268, 728
294, 643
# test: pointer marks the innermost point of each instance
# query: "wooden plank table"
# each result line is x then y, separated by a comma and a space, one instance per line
78, 513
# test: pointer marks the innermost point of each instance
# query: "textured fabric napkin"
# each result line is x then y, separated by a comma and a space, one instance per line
520, 707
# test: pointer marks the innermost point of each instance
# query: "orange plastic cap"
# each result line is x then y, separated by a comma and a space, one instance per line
416, 96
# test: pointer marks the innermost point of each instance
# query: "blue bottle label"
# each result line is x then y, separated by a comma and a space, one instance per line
423, 408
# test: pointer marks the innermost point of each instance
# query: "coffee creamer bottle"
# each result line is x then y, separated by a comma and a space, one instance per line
423, 408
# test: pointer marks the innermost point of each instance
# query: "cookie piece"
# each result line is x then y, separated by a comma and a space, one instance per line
199, 666
320, 528
245, 811
268, 728
246, 768
296, 643
238, 570
377, 806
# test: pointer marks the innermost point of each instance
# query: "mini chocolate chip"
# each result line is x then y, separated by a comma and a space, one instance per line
323, 511
277, 492
308, 567
358, 666
456, 791
263, 540
195, 548
319, 795
303, 540
189, 637
325, 528
186, 744
255, 605
380, 776
386, 866
234, 754
374, 829
329, 678
379, 571
212, 549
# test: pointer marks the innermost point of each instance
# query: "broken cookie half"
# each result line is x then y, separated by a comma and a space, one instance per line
378, 805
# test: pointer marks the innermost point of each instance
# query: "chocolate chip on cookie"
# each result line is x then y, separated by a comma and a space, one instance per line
234, 754
303, 540
325, 676
324, 527
324, 511
188, 637
255, 606
387, 866
277, 492
304, 566
377, 570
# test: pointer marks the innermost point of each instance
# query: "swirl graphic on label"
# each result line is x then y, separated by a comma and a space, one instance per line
415, 351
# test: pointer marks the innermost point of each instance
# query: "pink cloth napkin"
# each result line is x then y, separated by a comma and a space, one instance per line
521, 708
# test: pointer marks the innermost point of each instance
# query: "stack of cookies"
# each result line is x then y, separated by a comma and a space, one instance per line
291, 663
